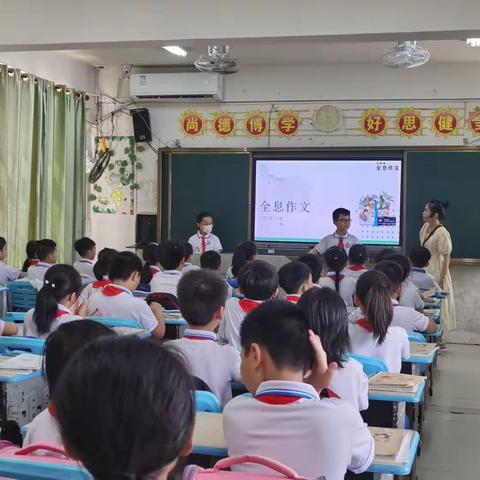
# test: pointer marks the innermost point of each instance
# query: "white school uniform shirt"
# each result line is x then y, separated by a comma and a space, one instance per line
350, 383
188, 267
37, 272
408, 318
410, 296
119, 302
332, 241
43, 429
217, 365
355, 271
84, 267
212, 242
235, 311
392, 351
318, 438
346, 288
7, 273
64, 315
92, 289
166, 282
423, 280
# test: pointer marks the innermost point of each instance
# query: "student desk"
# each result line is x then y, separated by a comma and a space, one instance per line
174, 324
414, 363
208, 439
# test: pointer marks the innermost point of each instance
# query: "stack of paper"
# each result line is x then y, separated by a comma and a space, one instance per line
432, 301
122, 331
429, 293
431, 312
419, 349
23, 362
394, 383
172, 314
392, 445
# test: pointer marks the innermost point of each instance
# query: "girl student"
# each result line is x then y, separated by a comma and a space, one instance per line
372, 335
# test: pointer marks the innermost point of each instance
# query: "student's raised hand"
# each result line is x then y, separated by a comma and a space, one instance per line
322, 373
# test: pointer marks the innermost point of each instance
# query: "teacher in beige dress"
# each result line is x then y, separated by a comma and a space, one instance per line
436, 238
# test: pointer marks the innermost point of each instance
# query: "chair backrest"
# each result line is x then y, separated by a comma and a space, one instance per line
23, 295
200, 385
206, 402
17, 317
166, 300
416, 337
370, 365
21, 344
117, 322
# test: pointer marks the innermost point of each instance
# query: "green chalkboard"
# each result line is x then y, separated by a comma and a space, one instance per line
452, 176
216, 182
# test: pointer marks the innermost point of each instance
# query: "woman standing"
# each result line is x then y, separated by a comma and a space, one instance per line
436, 238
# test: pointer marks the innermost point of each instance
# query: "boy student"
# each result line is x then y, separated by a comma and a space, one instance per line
171, 255
285, 419
295, 278
419, 258
357, 260
7, 273
409, 296
315, 264
204, 239
258, 281
212, 260
201, 297
116, 299
86, 248
405, 317
340, 238
47, 256
188, 265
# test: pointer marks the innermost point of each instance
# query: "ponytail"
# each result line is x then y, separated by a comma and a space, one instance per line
60, 281
150, 256
373, 291
102, 265
245, 252
336, 260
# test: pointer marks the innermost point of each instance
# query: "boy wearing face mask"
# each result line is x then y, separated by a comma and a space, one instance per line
204, 240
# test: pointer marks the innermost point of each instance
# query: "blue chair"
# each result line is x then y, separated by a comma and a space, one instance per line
371, 365
22, 295
116, 322
206, 402
17, 317
416, 337
16, 344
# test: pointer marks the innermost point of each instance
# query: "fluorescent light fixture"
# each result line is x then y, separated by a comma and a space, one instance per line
176, 50
473, 42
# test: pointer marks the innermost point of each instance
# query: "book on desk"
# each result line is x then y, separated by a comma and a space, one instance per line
395, 383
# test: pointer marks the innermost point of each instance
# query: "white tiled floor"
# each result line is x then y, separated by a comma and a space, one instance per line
451, 432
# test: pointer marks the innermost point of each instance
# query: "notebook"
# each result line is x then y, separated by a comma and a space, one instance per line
429, 293
420, 349
431, 312
395, 382
392, 446
24, 361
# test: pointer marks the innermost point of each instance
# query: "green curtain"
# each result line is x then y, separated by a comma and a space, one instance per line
42, 155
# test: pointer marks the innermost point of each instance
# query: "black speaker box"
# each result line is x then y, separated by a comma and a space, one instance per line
145, 229
141, 125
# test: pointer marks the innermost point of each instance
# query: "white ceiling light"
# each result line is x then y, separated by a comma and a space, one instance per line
176, 50
473, 42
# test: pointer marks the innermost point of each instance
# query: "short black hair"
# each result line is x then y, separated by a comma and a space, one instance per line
45, 247
393, 271
123, 264
404, 263
200, 293
420, 256
188, 249
293, 275
3, 242
203, 215
67, 340
83, 245
383, 254
170, 254
340, 211
315, 264
258, 280
102, 265
282, 329
357, 254
31, 249
211, 260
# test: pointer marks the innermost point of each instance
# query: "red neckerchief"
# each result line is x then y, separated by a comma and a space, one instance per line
248, 305
277, 399
293, 298
341, 244
52, 410
100, 283
154, 270
327, 393
363, 323
197, 337
34, 261
60, 313
357, 268
111, 291
340, 277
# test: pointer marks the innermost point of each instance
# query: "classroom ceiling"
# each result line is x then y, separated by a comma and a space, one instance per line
273, 52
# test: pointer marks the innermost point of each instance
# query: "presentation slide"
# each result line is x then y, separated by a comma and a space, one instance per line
294, 199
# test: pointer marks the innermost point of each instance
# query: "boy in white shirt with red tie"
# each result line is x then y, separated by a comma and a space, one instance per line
47, 256
285, 418
201, 297
171, 255
86, 249
295, 278
204, 240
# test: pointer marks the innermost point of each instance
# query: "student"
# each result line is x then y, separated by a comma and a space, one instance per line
405, 317
188, 265
116, 299
7, 273
150, 267
373, 335
60, 346
285, 419
243, 253
212, 260
295, 278
383, 254
87, 250
409, 296
100, 270
126, 409
258, 282
419, 258
201, 297
171, 256
31, 251
340, 238
357, 261
57, 302
336, 260
315, 264
328, 318
47, 256
204, 239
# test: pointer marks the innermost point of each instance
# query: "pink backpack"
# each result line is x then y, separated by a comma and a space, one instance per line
219, 472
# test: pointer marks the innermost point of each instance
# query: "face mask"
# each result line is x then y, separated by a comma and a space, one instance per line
206, 229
